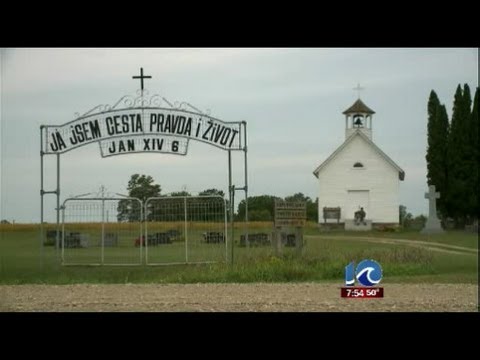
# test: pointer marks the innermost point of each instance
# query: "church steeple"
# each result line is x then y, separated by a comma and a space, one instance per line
358, 117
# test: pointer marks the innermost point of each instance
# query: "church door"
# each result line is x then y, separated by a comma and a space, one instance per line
355, 200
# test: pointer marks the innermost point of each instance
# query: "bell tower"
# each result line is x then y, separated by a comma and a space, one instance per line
358, 117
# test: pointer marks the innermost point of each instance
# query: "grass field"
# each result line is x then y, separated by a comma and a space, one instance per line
407, 257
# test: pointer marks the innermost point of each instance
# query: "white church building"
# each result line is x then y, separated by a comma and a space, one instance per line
359, 174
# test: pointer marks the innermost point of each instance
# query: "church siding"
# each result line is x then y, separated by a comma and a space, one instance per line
377, 176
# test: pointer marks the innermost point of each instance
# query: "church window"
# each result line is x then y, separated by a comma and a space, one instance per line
358, 165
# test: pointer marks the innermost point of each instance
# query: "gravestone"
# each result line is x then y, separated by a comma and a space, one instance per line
159, 238
289, 216
472, 227
51, 237
111, 240
155, 239
258, 239
76, 240
432, 226
174, 234
289, 240
212, 237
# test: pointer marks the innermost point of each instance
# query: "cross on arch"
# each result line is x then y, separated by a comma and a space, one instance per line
141, 77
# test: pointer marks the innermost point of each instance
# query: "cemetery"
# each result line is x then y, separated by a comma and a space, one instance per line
172, 125
288, 239
71, 240
350, 197
181, 226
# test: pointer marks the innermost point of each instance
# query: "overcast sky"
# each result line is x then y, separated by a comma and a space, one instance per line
292, 100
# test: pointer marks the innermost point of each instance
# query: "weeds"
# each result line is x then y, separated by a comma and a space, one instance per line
324, 259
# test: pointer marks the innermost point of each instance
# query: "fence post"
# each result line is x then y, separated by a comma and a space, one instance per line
186, 229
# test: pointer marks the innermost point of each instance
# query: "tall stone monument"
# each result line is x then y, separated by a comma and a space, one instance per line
432, 226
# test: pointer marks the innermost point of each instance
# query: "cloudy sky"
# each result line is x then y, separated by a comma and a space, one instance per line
292, 100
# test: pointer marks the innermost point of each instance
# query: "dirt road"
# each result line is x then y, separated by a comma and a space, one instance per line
304, 297
428, 245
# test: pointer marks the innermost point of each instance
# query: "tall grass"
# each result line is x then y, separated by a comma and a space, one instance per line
323, 259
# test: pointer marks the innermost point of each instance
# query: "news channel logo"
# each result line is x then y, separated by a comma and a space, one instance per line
368, 273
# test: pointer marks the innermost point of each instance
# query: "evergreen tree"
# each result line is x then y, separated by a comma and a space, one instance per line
458, 157
468, 155
473, 127
443, 131
437, 129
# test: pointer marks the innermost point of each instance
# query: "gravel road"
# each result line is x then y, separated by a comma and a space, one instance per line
301, 297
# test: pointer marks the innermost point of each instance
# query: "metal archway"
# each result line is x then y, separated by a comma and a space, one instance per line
143, 124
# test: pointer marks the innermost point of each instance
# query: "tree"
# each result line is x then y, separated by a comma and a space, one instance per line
198, 209
298, 197
442, 176
140, 187
312, 211
169, 208
418, 222
473, 127
312, 207
405, 217
212, 192
259, 215
458, 157
260, 208
436, 156
180, 193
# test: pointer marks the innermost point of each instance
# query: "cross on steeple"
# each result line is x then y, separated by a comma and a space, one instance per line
358, 88
432, 196
141, 77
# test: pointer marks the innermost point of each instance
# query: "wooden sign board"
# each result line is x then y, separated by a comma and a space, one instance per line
331, 213
290, 213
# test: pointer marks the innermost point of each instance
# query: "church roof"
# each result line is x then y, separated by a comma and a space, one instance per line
358, 107
401, 173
